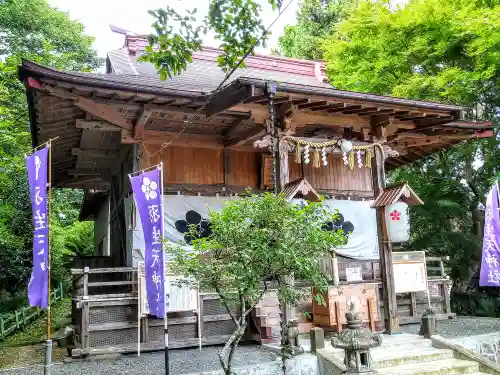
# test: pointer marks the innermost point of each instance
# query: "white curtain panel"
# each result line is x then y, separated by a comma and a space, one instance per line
181, 210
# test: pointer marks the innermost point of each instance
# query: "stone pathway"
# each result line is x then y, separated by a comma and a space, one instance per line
181, 362
460, 327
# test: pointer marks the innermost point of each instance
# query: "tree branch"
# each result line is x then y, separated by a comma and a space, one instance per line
224, 302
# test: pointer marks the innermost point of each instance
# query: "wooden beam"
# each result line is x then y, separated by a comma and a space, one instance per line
247, 136
345, 107
328, 106
303, 118
224, 100
154, 137
103, 126
77, 180
378, 111
88, 172
94, 153
235, 129
140, 124
104, 112
312, 104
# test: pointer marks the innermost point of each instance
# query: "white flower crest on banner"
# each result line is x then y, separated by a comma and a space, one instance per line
149, 188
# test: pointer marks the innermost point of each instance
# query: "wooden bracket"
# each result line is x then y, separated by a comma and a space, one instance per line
140, 124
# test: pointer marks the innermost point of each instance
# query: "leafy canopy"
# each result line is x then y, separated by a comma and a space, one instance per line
445, 50
235, 23
316, 20
428, 49
32, 30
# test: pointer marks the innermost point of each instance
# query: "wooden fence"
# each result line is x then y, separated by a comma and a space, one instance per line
19, 319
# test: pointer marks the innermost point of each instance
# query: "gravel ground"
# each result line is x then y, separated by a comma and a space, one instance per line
460, 327
181, 362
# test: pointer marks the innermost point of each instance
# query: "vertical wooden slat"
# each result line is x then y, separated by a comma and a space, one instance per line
85, 326
413, 306
370, 314
85, 282
446, 295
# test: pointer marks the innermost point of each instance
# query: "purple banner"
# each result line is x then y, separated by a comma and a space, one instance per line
490, 263
147, 192
38, 286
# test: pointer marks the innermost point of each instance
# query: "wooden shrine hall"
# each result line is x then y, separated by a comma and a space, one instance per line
335, 143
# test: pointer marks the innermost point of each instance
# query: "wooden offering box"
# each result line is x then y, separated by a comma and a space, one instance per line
338, 298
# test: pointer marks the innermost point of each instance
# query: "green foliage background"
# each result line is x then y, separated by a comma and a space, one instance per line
30, 29
445, 50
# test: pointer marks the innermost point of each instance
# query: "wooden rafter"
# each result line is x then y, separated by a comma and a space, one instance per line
102, 111
96, 125
247, 136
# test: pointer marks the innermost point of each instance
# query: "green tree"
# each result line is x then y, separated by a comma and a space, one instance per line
32, 30
235, 23
256, 240
445, 50
316, 20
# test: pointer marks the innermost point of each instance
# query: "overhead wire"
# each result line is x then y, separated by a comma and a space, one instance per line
207, 101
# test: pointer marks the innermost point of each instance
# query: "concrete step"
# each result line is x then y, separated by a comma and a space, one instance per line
402, 357
440, 367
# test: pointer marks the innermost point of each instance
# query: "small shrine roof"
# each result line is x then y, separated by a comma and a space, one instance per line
395, 193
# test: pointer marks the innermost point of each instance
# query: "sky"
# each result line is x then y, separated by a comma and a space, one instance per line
97, 15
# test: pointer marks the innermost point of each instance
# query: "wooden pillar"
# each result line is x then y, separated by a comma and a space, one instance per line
228, 167
391, 323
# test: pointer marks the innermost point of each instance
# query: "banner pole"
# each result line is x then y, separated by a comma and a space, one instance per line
139, 306
48, 345
165, 273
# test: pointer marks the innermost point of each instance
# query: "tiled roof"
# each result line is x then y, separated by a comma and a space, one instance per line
203, 74
395, 193
301, 187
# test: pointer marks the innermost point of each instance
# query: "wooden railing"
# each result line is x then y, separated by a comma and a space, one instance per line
20, 318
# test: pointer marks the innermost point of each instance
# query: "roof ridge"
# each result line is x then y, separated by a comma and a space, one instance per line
135, 43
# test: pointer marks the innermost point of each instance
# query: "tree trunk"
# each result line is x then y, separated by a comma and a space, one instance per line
226, 355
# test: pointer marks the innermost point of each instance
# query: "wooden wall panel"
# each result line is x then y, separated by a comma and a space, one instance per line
185, 165
245, 169
202, 166
335, 176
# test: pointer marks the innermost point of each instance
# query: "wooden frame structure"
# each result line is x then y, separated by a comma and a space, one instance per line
109, 125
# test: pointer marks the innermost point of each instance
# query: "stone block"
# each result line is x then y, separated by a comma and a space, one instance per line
317, 337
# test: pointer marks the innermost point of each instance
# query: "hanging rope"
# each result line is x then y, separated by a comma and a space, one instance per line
349, 158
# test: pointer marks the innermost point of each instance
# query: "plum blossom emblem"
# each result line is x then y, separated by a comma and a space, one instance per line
395, 215
149, 188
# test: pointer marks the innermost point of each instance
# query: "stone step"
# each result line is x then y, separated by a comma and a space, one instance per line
417, 355
439, 367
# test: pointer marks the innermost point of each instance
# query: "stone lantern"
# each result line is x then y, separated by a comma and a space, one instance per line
356, 342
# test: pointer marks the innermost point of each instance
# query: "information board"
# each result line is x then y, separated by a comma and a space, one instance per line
410, 272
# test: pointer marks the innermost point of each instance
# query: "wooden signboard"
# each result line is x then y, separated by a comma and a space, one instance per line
267, 179
410, 271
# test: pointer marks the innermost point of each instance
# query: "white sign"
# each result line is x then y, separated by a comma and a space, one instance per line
410, 276
398, 222
354, 274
